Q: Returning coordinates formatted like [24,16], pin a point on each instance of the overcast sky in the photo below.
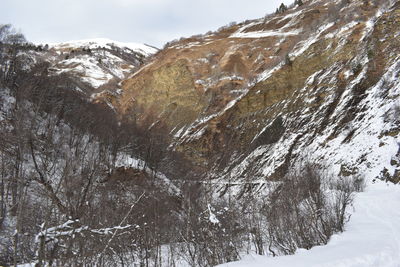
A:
[154,22]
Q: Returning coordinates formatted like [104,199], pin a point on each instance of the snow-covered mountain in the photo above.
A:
[318,81]
[96,62]
[96,43]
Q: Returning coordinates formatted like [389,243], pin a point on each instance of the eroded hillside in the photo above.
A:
[251,98]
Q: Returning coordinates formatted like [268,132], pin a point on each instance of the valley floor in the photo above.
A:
[371,237]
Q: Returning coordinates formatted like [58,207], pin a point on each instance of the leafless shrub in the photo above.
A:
[8,34]
[302,213]
[343,198]
[211,233]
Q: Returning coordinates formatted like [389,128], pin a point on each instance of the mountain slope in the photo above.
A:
[251,99]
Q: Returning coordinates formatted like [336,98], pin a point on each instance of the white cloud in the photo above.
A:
[150,21]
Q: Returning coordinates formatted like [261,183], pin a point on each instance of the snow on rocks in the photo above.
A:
[370,149]
[261,34]
[303,46]
[370,24]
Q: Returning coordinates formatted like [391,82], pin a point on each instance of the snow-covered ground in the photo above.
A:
[371,238]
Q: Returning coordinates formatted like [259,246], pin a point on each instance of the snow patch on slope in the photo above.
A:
[261,34]
[304,45]
[125,161]
[88,69]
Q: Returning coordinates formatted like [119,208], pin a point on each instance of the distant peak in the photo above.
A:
[104,42]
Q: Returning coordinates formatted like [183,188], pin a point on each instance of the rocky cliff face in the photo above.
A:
[319,81]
